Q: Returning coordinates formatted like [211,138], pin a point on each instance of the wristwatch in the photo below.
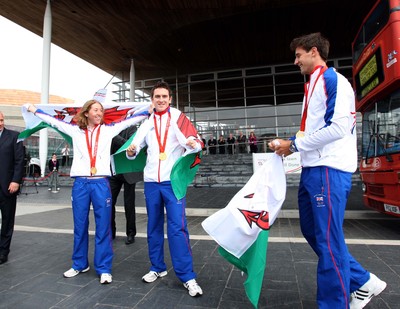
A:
[292,147]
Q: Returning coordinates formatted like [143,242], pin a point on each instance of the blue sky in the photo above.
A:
[21,66]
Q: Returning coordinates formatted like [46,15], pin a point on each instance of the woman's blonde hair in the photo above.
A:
[82,119]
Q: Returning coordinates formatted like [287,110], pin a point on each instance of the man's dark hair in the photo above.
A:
[161,84]
[311,40]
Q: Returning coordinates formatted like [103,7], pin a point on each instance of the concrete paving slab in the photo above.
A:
[42,247]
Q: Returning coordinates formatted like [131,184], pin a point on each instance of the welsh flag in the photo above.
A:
[112,113]
[120,164]
[182,174]
[242,227]
[184,169]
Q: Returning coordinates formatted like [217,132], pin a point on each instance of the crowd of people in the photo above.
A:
[326,143]
[231,145]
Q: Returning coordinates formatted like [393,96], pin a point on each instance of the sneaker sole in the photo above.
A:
[106,281]
[376,292]
[191,294]
[196,295]
[380,289]
[160,275]
[82,271]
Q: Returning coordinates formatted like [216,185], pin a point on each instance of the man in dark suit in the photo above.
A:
[11,172]
[129,181]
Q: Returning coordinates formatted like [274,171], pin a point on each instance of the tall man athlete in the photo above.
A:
[168,133]
[328,150]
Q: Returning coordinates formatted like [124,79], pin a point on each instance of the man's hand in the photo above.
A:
[131,150]
[280,147]
[13,187]
[191,143]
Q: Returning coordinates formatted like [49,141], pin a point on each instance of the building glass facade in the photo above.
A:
[266,100]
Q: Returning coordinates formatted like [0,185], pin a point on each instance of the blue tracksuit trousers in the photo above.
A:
[322,199]
[97,192]
[157,196]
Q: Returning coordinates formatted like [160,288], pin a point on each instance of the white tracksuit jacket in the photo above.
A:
[330,132]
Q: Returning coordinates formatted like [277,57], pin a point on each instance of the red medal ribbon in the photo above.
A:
[158,134]
[307,99]
[89,147]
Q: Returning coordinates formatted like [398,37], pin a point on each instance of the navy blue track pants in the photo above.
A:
[322,200]
[157,196]
[98,193]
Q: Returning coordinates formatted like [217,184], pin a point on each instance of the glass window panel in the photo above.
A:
[381,132]
[203,92]
[258,71]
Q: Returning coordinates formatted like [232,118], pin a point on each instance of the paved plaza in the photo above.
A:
[42,246]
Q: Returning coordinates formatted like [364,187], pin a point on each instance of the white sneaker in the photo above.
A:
[152,276]
[361,297]
[105,278]
[73,272]
[193,288]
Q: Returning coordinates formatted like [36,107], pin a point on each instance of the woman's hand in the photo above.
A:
[30,108]
[151,108]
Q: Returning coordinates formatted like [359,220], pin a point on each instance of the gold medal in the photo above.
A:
[93,170]
[162,156]
[300,134]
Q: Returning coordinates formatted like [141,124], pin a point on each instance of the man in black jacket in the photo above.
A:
[129,181]
[11,171]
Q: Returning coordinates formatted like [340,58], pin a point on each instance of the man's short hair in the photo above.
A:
[161,84]
[311,40]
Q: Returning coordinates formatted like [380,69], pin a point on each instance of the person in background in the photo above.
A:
[231,144]
[221,144]
[65,155]
[204,149]
[212,145]
[128,180]
[253,142]
[327,142]
[91,170]
[53,169]
[27,159]
[11,173]
[168,134]
[241,141]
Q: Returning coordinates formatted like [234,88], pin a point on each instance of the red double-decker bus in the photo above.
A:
[376,77]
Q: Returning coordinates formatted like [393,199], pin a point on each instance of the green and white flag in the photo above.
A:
[184,169]
[68,113]
[242,227]
[120,164]
[182,174]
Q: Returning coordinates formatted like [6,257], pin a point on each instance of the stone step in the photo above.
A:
[218,180]
[214,171]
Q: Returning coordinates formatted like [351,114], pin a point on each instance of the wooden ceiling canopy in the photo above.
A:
[188,36]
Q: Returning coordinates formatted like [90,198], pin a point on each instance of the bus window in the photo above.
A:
[381,130]
[376,21]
